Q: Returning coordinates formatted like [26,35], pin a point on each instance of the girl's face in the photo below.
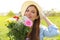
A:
[31,13]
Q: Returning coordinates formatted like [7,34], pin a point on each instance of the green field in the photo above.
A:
[4,30]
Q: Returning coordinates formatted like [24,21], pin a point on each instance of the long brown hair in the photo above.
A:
[34,34]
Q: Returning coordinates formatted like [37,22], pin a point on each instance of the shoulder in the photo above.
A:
[53,26]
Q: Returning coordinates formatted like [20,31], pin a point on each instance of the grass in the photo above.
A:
[54,19]
[4,30]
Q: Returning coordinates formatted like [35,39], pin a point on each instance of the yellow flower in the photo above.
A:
[11,20]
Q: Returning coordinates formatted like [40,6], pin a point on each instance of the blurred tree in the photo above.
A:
[52,12]
[10,13]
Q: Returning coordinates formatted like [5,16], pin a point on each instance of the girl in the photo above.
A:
[38,31]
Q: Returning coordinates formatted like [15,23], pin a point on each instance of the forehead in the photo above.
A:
[31,8]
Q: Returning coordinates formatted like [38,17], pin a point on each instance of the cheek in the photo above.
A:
[34,17]
[24,14]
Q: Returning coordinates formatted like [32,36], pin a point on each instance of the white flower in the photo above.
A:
[11,20]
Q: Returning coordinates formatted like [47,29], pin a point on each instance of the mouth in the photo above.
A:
[29,17]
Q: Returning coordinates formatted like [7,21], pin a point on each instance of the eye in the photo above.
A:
[33,11]
[27,10]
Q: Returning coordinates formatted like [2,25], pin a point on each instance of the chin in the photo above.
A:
[30,19]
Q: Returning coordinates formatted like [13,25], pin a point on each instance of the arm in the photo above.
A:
[46,19]
[52,29]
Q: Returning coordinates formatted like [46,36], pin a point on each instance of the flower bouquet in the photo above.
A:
[19,27]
